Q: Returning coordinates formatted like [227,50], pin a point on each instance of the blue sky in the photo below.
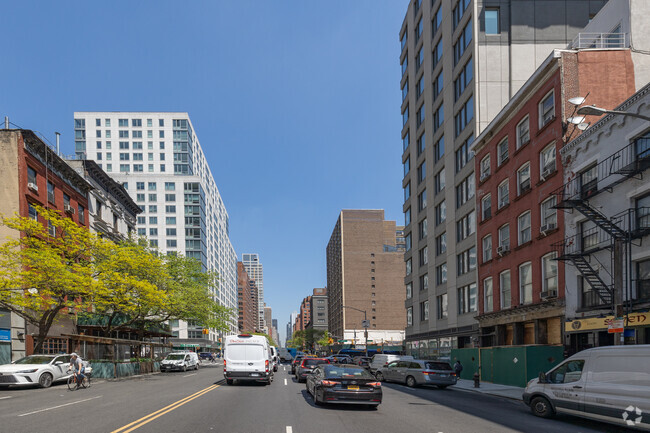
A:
[296,104]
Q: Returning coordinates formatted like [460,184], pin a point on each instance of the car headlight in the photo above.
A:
[34,370]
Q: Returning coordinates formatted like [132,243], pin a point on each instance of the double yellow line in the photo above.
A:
[152,416]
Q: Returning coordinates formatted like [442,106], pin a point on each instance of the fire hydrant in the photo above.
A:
[477,380]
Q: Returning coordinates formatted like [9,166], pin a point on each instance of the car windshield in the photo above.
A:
[35,359]
[175,357]
[438,366]
[335,372]
[312,362]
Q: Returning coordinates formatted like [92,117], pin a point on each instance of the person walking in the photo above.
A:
[458,368]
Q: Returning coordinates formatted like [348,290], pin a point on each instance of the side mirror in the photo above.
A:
[542,377]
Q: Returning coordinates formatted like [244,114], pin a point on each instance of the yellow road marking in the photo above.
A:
[145,419]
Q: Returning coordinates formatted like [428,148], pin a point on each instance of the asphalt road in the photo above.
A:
[202,402]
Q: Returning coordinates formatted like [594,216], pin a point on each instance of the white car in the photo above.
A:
[40,370]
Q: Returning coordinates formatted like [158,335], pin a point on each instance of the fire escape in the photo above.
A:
[627,226]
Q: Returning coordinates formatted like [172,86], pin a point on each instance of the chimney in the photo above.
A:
[6,122]
[58,135]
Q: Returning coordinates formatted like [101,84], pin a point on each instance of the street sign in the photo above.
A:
[616,325]
[365,323]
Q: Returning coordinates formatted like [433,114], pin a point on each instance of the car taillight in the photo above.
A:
[375,384]
[429,372]
[328,383]
[266,365]
[453,374]
[224,365]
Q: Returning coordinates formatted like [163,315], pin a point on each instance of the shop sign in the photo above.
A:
[602,323]
[616,325]
[5,334]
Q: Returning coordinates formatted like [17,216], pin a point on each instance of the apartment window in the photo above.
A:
[488,303]
[170,208]
[422,172]
[424,256]
[523,179]
[436,21]
[137,134]
[438,84]
[139,186]
[149,133]
[99,156]
[548,215]
[437,54]
[439,149]
[403,39]
[409,316]
[405,141]
[487,248]
[422,200]
[419,59]
[485,167]
[589,182]
[109,156]
[405,89]
[51,229]
[486,207]
[549,273]
[153,220]
[642,208]
[124,134]
[31,176]
[32,213]
[504,236]
[162,167]
[409,290]
[547,109]
[466,226]
[441,212]
[420,116]
[441,244]
[405,64]
[503,192]
[523,132]
[424,282]
[440,181]
[422,229]
[170,221]
[98,133]
[142,220]
[136,123]
[438,117]
[109,167]
[153,197]
[137,145]
[504,286]
[408,267]
[421,144]
[109,145]
[153,208]
[464,116]
[418,30]
[424,310]
[463,79]
[441,274]
[407,191]
[492,21]
[172,243]
[407,217]
[161,134]
[407,241]
[502,151]
[465,190]
[170,231]
[405,115]
[525,283]
[139,197]
[137,157]
[464,154]
[467,296]
[124,156]
[463,41]
[50,192]
[170,197]
[442,304]
[459,11]
[523,224]
[153,231]
[142,232]
[124,145]
[407,166]
[419,88]
[161,122]
[466,261]
[547,161]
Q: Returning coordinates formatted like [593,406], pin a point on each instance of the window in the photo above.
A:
[407,165]
[153,197]
[170,186]
[153,220]
[124,134]
[137,157]
[568,372]
[463,79]
[485,167]
[459,11]
[418,28]
[170,232]
[548,215]
[438,117]
[504,286]
[422,229]
[407,241]
[137,145]
[407,217]
[405,141]
[51,228]
[549,273]
[421,144]
[170,220]
[464,39]
[441,244]
[170,197]
[441,300]
[439,149]
[487,248]
[420,116]
[438,84]
[405,89]
[424,282]
[170,209]
[422,200]
[31,176]
[503,192]
[142,232]
[441,274]
[441,212]
[486,207]
[464,154]
[642,209]
[405,64]
[547,109]
[137,134]
[124,156]
[139,186]
[136,123]
[588,235]
[161,134]
[419,59]
[409,316]
[466,226]
[405,115]
[172,243]
[142,220]
[422,172]
[161,122]
[437,54]
[153,208]
[523,132]
[523,224]
[32,213]
[467,296]
[488,304]
[124,145]
[424,256]
[407,191]
[588,182]
[98,133]
[465,190]
[408,267]
[547,161]
[525,283]
[109,167]
[466,261]
[436,21]
[409,290]
[403,39]
[523,179]
[50,192]
[424,310]
[139,197]
[504,236]
[153,231]
[419,88]
[464,116]
[502,151]
[440,181]
[492,22]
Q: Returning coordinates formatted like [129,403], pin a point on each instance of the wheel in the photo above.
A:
[197,367]
[72,385]
[379,376]
[442,386]
[541,407]
[45,381]
[229,381]
[86,382]
[184,368]
[317,401]
[410,382]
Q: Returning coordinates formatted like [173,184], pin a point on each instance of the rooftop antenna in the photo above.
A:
[58,135]
[6,122]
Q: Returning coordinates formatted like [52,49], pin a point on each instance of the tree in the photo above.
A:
[45,270]
[268,337]
[324,340]
[297,340]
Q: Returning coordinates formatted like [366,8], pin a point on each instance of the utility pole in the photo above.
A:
[365,325]
[619,337]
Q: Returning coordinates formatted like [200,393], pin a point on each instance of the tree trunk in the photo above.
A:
[44,326]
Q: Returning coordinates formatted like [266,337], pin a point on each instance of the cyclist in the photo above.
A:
[77,367]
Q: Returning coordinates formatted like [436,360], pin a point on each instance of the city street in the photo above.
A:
[200,401]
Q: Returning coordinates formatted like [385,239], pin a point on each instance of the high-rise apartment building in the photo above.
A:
[318,313]
[247,298]
[157,157]
[365,272]
[268,319]
[462,61]
[255,271]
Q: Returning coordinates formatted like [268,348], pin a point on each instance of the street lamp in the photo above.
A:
[592,110]
[365,324]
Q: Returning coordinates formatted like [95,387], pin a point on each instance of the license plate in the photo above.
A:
[444,375]
[353,387]
[254,374]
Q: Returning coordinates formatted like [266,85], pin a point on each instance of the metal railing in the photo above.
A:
[600,40]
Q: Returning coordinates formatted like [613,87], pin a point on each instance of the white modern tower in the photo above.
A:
[159,160]
[255,272]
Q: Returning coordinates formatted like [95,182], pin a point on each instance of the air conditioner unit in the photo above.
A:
[32,185]
[525,186]
[547,172]
[548,294]
[67,208]
[547,228]
[503,249]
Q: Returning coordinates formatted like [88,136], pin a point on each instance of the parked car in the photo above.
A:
[247,357]
[180,361]
[608,383]
[307,365]
[418,372]
[296,360]
[343,384]
[363,361]
[42,370]
[381,360]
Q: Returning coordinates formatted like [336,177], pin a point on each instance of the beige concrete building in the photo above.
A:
[365,271]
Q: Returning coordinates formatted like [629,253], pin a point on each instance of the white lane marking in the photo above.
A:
[188,375]
[285,381]
[289,429]
[61,405]
[2,398]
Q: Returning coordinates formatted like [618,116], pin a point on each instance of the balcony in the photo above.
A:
[600,40]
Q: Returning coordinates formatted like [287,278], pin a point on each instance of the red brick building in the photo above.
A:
[521,284]
[304,317]
[248,319]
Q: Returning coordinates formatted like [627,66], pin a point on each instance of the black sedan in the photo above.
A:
[346,383]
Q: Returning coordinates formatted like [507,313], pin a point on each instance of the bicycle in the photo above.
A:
[73,383]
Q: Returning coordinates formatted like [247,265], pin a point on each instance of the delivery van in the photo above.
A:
[610,383]
[247,357]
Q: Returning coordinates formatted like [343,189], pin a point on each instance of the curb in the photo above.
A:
[488,393]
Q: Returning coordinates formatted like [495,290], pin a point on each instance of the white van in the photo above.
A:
[275,358]
[610,383]
[381,360]
[247,357]
[181,361]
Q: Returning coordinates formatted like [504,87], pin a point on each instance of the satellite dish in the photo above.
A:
[583,126]
[578,100]
[576,120]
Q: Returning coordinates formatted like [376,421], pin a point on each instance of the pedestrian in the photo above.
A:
[458,368]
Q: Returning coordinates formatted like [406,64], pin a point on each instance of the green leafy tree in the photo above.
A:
[268,337]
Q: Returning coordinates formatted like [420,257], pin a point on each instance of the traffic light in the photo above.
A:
[205,331]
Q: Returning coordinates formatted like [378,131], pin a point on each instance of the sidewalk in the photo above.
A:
[506,391]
